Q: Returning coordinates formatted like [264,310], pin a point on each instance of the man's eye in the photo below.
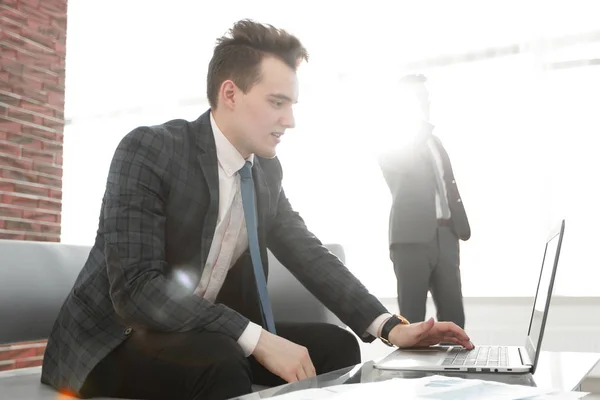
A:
[277,103]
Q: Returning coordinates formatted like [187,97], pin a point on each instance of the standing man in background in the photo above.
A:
[428,217]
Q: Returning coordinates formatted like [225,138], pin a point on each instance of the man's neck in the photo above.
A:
[221,120]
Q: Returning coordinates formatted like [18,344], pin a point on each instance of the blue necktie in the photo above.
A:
[247,185]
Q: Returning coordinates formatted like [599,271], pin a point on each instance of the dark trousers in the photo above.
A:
[173,366]
[432,266]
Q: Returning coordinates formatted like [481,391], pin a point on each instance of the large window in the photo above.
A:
[521,128]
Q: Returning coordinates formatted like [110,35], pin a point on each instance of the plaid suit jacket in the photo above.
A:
[158,218]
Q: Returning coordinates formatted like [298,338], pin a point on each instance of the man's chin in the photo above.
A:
[266,153]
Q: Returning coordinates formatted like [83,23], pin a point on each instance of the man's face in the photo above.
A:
[262,115]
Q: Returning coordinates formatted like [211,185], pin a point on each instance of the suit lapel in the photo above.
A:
[448,173]
[207,156]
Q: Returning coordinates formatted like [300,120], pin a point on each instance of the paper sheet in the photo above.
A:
[433,388]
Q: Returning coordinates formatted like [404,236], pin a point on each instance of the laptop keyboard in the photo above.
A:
[483,356]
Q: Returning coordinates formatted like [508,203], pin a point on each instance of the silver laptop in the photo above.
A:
[502,359]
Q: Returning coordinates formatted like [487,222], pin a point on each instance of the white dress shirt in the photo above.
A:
[231,238]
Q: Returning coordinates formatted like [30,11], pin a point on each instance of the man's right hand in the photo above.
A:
[285,359]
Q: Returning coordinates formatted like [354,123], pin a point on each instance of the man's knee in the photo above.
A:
[225,374]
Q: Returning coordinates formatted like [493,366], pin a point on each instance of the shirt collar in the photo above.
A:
[229,157]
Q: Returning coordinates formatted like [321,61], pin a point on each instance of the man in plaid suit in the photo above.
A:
[167,304]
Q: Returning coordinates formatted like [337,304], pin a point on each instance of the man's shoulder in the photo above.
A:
[271,167]
[165,131]
[165,137]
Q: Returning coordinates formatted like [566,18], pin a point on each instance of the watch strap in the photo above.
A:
[387,327]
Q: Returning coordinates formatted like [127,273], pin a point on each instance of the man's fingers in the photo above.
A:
[293,377]
[300,374]
[451,339]
[450,328]
[310,369]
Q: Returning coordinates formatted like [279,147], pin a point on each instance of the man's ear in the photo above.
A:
[228,94]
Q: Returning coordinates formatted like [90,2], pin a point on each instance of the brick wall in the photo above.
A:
[32,81]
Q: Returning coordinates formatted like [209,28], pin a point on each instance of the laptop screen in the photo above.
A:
[544,290]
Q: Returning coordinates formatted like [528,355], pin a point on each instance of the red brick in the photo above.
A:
[16,352]
[10,100]
[56,98]
[20,175]
[10,3]
[11,236]
[24,140]
[29,362]
[50,229]
[38,155]
[38,33]
[60,47]
[47,168]
[52,11]
[32,82]
[15,162]
[29,94]
[49,205]
[10,10]
[46,30]
[31,343]
[42,237]
[37,132]
[54,183]
[11,23]
[40,350]
[20,201]
[6,365]
[32,12]
[6,210]
[37,60]
[5,186]
[41,215]
[19,81]
[33,190]
[9,126]
[35,107]
[8,148]
[22,226]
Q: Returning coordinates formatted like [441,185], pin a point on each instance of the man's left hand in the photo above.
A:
[428,333]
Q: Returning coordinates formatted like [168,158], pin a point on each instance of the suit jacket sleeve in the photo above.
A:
[142,291]
[320,271]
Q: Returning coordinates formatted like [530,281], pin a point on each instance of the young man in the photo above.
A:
[428,216]
[168,304]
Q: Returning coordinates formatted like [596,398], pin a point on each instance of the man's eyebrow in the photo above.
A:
[282,97]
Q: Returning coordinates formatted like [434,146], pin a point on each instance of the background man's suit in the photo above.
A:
[424,247]
[158,218]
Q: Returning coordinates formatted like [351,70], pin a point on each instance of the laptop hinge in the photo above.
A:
[524,360]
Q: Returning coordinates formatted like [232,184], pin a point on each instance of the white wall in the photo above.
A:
[522,140]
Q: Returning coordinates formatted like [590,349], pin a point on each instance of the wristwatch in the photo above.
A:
[387,327]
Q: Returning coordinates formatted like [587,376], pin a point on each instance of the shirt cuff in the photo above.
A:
[249,338]
[375,328]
